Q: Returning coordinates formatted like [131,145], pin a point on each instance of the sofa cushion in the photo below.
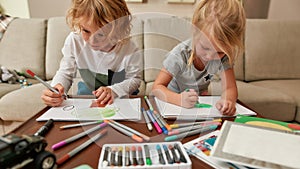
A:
[23,46]
[9,126]
[267,101]
[288,87]
[6,88]
[137,37]
[20,105]
[161,35]
[137,32]
[57,32]
[272,49]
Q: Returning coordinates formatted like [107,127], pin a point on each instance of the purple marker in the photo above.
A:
[78,136]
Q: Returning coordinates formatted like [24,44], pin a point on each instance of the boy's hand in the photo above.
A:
[189,98]
[104,95]
[226,107]
[52,99]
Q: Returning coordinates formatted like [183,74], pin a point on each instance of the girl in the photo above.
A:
[98,46]
[217,40]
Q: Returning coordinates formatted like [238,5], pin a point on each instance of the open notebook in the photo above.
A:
[86,110]
[168,110]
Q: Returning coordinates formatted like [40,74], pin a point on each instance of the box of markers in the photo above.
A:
[144,155]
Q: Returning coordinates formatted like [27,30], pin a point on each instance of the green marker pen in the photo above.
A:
[200,105]
[147,153]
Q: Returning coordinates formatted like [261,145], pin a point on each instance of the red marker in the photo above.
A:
[43,82]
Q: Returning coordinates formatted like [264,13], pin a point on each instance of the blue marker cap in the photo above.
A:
[164,129]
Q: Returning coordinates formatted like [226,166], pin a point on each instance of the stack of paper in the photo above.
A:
[83,110]
[257,147]
[168,110]
[199,148]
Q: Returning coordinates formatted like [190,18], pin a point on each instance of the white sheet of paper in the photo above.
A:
[128,109]
[170,110]
[266,145]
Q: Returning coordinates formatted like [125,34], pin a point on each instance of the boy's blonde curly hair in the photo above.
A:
[223,21]
[101,12]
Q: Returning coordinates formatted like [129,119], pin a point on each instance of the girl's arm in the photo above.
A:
[160,90]
[229,93]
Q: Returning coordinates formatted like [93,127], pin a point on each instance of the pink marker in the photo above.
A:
[158,129]
[78,136]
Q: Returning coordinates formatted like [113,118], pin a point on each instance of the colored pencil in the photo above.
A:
[147,120]
[124,131]
[78,136]
[193,132]
[146,138]
[80,124]
[80,148]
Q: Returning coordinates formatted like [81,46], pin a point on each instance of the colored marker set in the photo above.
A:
[144,155]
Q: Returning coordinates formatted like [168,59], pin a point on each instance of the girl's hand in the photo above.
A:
[52,99]
[189,98]
[104,95]
[226,107]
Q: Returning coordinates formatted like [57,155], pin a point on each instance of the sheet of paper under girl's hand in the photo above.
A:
[205,108]
[83,110]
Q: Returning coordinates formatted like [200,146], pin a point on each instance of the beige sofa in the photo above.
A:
[268,75]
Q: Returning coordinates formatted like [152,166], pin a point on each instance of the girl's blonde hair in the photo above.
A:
[224,22]
[101,12]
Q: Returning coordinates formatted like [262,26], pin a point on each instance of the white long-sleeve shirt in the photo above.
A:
[94,65]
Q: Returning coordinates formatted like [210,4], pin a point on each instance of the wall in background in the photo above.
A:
[284,9]
[35,8]
[277,9]
[17,8]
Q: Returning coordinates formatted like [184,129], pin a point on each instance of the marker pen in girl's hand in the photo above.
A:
[45,83]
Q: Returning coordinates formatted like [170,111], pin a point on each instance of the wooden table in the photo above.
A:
[91,154]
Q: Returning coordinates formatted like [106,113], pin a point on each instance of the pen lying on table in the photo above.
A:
[78,136]
[81,147]
[80,124]
[192,132]
[124,131]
